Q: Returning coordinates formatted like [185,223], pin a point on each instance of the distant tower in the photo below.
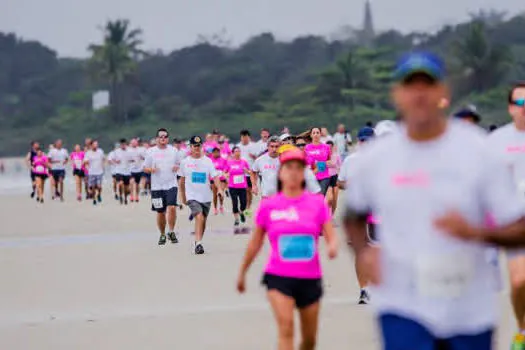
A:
[368,33]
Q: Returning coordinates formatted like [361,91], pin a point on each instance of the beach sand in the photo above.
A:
[74,276]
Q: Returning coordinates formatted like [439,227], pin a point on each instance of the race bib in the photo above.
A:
[445,276]
[239,179]
[157,203]
[78,163]
[198,178]
[297,247]
[40,169]
[321,166]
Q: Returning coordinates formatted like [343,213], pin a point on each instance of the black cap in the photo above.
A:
[468,112]
[196,140]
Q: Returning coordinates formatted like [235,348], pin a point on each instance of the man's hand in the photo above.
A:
[456,225]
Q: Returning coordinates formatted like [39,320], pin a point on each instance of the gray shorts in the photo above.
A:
[198,207]
[94,180]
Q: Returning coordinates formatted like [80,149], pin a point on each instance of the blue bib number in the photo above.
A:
[321,166]
[198,178]
[296,247]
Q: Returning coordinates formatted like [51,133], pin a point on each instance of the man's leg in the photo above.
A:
[161,223]
[517,281]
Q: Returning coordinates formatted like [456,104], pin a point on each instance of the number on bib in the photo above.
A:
[296,247]
[198,178]
[157,203]
[443,276]
[238,179]
[321,166]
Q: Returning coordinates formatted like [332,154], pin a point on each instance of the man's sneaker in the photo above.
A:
[215,211]
[248,213]
[364,298]
[94,202]
[99,198]
[162,239]
[191,217]
[243,218]
[518,343]
[222,210]
[33,194]
[173,237]
[116,197]
[199,249]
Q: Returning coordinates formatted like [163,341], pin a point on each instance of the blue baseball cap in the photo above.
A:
[468,112]
[420,63]
[365,133]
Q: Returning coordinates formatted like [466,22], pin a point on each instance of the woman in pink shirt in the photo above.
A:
[220,164]
[293,220]
[226,152]
[237,168]
[41,167]
[318,157]
[77,159]
[334,165]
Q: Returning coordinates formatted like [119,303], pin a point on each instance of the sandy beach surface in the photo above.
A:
[74,276]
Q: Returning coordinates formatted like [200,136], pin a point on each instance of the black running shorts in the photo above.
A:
[304,291]
[162,199]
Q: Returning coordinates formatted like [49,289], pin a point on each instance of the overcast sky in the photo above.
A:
[68,26]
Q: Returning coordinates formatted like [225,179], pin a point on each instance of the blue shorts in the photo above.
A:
[399,333]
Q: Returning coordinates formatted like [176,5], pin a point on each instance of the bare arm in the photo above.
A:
[183,190]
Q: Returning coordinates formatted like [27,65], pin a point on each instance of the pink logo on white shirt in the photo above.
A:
[418,179]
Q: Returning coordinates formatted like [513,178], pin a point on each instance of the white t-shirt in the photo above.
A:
[57,158]
[197,173]
[138,154]
[95,161]
[341,142]
[111,165]
[246,150]
[164,159]
[123,167]
[347,167]
[509,142]
[261,146]
[408,185]
[266,167]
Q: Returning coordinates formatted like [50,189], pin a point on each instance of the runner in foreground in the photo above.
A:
[293,221]
[162,162]
[196,170]
[437,176]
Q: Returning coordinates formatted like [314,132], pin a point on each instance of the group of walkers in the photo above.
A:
[428,201]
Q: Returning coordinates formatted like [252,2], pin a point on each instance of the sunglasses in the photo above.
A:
[301,144]
[163,136]
[519,102]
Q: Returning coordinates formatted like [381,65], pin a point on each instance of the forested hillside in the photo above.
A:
[263,83]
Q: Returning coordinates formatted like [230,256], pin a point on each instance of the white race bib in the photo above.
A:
[443,276]
[78,163]
[157,203]
[39,169]
[238,179]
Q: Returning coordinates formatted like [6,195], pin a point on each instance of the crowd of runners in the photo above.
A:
[428,201]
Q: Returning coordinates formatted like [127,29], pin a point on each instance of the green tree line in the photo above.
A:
[262,83]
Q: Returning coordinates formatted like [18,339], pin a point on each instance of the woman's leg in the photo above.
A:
[78,184]
[309,317]
[283,307]
[335,197]
[234,195]
[243,197]
[214,190]
[39,187]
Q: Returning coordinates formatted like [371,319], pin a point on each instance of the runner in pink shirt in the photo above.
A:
[220,165]
[41,167]
[226,151]
[77,160]
[318,157]
[293,220]
[209,145]
[237,168]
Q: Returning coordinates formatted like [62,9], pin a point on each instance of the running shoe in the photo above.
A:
[41,200]
[248,213]
[121,199]
[215,211]
[116,197]
[199,249]
[222,210]
[173,237]
[364,298]
[94,202]
[33,194]
[126,201]
[191,217]
[162,239]
[79,198]
[99,198]
[243,218]
[519,342]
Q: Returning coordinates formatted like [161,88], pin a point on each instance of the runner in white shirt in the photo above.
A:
[94,162]
[342,141]
[58,157]
[248,152]
[265,167]
[434,179]
[509,142]
[262,144]
[112,168]
[122,159]
[162,162]
[196,170]
[138,154]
